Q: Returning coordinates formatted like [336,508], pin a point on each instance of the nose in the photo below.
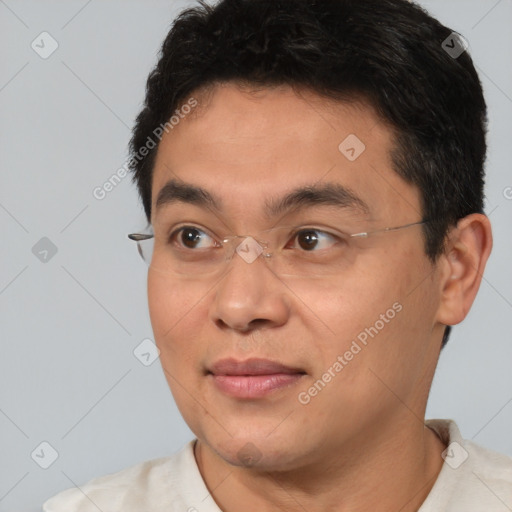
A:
[249,295]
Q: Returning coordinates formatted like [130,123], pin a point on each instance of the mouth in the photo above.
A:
[253,378]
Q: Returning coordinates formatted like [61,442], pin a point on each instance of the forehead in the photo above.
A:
[245,146]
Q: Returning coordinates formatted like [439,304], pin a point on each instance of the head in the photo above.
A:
[264,97]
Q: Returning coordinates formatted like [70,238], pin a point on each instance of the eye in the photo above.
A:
[311,239]
[192,238]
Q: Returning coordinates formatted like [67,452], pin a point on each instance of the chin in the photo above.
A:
[260,453]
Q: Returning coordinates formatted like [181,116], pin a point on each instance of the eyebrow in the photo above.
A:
[330,194]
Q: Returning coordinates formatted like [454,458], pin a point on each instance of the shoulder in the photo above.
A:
[166,483]
[490,467]
[473,478]
[460,451]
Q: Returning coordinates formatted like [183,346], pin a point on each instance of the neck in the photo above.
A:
[390,468]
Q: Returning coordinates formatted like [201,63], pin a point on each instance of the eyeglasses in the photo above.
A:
[301,251]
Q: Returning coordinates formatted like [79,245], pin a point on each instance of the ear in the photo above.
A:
[466,252]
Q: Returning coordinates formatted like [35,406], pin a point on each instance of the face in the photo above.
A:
[352,340]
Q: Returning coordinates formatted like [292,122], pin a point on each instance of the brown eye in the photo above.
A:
[192,238]
[311,240]
[307,240]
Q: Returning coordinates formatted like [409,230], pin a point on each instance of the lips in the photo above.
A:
[254,378]
[233,367]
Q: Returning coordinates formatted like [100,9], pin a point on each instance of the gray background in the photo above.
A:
[69,325]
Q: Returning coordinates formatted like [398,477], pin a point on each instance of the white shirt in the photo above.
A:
[472,479]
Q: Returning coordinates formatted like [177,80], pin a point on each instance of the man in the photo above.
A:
[315,203]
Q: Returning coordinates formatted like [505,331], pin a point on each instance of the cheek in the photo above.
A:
[355,301]
[164,308]
[177,314]
[370,316]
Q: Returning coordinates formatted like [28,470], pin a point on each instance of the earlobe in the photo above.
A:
[467,251]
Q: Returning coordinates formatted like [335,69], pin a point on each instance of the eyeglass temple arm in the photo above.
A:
[367,233]
[139,237]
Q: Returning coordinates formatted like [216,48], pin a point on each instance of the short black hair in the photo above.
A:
[390,53]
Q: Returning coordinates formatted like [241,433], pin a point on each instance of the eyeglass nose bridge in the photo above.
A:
[247,247]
